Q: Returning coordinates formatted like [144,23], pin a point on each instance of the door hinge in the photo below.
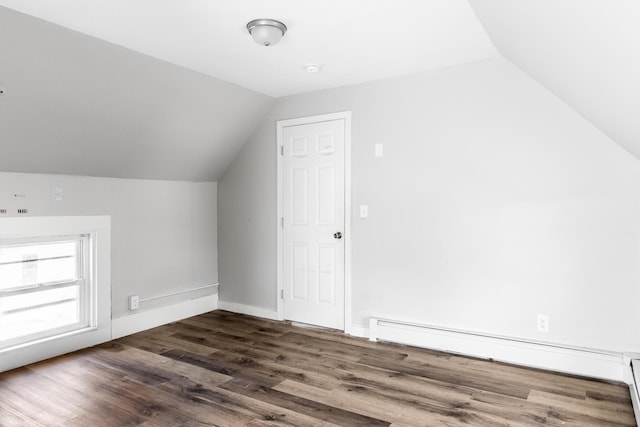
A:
[282,222]
[282,150]
[281,293]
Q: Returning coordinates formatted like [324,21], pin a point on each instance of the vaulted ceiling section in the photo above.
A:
[81,106]
[586,52]
[166,90]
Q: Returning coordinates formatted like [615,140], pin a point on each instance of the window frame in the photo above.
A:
[82,280]
[99,227]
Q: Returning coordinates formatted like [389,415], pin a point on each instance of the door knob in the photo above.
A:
[337,235]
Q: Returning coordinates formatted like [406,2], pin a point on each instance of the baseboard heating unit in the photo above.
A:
[577,361]
[633,388]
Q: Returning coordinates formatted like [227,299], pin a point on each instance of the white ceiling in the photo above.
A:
[586,52]
[354,41]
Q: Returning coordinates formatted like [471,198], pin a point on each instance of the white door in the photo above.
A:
[314,218]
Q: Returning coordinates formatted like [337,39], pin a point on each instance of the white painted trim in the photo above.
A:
[635,401]
[578,361]
[358,331]
[144,320]
[280,215]
[249,310]
[280,125]
[347,223]
[53,347]
[634,366]
[627,371]
[99,331]
[15,227]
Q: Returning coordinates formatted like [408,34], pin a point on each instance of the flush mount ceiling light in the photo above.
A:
[266,32]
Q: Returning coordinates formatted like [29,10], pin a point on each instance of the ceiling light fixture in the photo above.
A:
[266,32]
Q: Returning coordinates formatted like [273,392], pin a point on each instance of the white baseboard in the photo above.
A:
[248,309]
[56,346]
[577,361]
[144,320]
[358,331]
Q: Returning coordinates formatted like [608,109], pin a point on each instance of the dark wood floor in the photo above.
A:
[224,369]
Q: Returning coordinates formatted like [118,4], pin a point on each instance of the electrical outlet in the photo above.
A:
[543,323]
[57,194]
[134,302]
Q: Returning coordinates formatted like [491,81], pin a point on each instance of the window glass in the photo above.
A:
[36,312]
[43,291]
[28,265]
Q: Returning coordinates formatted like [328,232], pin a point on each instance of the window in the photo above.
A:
[55,286]
[45,288]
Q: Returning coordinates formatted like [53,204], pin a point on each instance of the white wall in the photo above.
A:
[494,202]
[164,233]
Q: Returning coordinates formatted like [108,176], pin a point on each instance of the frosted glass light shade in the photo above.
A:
[266,32]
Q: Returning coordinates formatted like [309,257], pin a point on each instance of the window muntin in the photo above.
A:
[43,289]
[32,264]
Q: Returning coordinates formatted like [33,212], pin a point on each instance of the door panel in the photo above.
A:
[299,192]
[326,274]
[300,267]
[313,202]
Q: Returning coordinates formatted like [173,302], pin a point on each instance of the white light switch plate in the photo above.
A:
[364,211]
[379,150]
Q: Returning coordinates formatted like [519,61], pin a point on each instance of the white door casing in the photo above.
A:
[312,194]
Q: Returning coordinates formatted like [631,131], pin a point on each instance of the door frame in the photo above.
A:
[280,125]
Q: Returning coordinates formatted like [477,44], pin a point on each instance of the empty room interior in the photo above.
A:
[316,213]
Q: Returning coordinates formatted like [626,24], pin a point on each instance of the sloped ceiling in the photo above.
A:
[171,90]
[353,41]
[187,87]
[587,52]
[78,105]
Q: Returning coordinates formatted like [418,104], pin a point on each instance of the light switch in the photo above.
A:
[364,211]
[379,150]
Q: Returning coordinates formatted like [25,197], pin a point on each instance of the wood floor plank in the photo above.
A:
[163,366]
[225,369]
[564,385]
[168,342]
[257,409]
[591,409]
[25,399]
[288,363]
[495,385]
[515,412]
[76,379]
[364,401]
[295,402]
[11,416]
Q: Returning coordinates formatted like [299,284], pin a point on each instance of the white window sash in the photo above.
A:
[83,295]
